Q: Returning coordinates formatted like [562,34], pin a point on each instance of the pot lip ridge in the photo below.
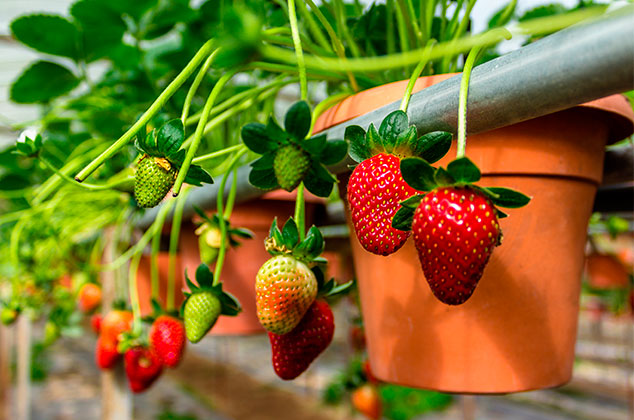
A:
[615,108]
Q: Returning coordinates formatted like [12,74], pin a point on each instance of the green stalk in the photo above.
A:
[416,36]
[300,212]
[154,274]
[389,16]
[303,83]
[415,75]
[91,187]
[223,227]
[174,235]
[324,105]
[343,28]
[313,27]
[216,154]
[202,53]
[134,293]
[462,102]
[195,84]
[231,200]
[198,135]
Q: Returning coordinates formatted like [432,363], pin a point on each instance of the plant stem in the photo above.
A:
[216,154]
[324,105]
[203,52]
[223,227]
[415,75]
[174,235]
[232,195]
[462,102]
[154,274]
[198,135]
[313,27]
[300,213]
[303,84]
[195,84]
[91,187]
[133,291]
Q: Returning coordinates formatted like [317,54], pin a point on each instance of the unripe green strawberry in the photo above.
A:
[153,179]
[290,165]
[201,313]
[284,288]
[8,316]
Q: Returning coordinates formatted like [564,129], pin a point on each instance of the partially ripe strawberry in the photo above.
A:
[455,232]
[284,288]
[292,353]
[106,354]
[167,338]
[115,323]
[367,401]
[375,189]
[89,297]
[142,367]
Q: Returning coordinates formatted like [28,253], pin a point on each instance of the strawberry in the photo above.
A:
[142,367]
[89,297]
[284,288]
[8,315]
[106,353]
[375,188]
[95,323]
[369,375]
[367,401]
[291,164]
[455,232]
[153,179]
[167,338]
[115,323]
[201,313]
[293,352]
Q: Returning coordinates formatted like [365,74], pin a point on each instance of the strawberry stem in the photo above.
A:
[300,212]
[220,210]
[415,75]
[174,234]
[232,195]
[200,128]
[218,153]
[195,84]
[462,102]
[134,292]
[299,53]
[162,99]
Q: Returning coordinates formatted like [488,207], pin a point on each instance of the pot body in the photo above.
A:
[243,262]
[144,281]
[517,332]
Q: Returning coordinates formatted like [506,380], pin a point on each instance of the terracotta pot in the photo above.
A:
[242,263]
[605,272]
[144,281]
[517,332]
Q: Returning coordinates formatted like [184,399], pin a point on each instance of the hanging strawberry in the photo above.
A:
[455,225]
[162,158]
[142,367]
[204,303]
[288,158]
[167,335]
[376,185]
[210,236]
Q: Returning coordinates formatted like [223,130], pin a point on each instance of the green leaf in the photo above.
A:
[418,174]
[391,127]
[412,202]
[275,132]
[41,82]
[443,178]
[318,180]
[506,197]
[405,141]
[314,242]
[503,16]
[197,176]
[190,284]
[332,289]
[314,145]
[204,277]
[50,34]
[334,152]
[265,162]
[149,145]
[297,120]
[501,214]
[403,219]
[373,140]
[463,170]
[243,233]
[135,9]
[275,233]
[170,137]
[102,27]
[230,305]
[433,146]
[359,150]
[290,234]
[256,138]
[263,179]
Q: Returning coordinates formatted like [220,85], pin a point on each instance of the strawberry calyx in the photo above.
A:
[460,172]
[272,142]
[205,279]
[213,222]
[287,242]
[396,137]
[157,311]
[164,146]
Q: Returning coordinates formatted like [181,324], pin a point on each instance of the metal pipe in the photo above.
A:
[584,62]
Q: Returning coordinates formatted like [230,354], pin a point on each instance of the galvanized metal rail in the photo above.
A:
[584,62]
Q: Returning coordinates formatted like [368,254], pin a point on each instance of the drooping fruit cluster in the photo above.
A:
[204,303]
[89,297]
[210,236]
[376,185]
[159,165]
[455,225]
[112,326]
[288,158]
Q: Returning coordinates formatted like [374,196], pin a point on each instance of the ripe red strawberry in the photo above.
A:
[167,338]
[455,231]
[285,288]
[292,353]
[106,354]
[95,323]
[89,297]
[142,367]
[375,189]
